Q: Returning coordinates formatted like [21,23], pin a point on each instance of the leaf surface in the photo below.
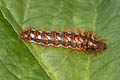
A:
[21,60]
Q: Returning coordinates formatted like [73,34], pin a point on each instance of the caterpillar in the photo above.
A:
[82,41]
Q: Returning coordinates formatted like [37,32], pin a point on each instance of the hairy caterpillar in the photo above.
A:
[85,41]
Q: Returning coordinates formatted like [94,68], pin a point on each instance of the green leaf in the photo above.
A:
[27,61]
[16,61]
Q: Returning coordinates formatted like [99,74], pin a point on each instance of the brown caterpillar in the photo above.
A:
[85,41]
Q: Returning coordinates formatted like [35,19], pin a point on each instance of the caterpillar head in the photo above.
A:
[100,45]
